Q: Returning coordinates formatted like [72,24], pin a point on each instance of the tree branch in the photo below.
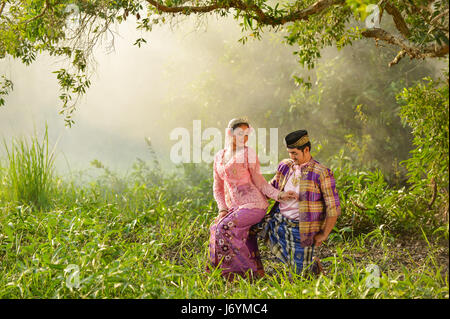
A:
[399,56]
[261,16]
[440,15]
[413,52]
[188,9]
[383,35]
[264,18]
[400,23]
[435,51]
[416,10]
[2,7]
[315,8]
[44,9]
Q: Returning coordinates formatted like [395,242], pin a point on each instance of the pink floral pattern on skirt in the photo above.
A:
[232,248]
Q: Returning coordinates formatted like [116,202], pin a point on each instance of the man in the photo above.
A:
[292,229]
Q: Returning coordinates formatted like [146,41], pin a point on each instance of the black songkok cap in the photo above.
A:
[296,139]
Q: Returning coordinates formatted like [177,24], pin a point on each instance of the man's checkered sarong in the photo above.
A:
[282,236]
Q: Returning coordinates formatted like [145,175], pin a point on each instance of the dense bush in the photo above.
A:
[426,110]
[368,201]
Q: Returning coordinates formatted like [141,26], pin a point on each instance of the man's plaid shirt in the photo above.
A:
[318,196]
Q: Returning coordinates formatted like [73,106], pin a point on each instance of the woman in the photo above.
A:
[240,192]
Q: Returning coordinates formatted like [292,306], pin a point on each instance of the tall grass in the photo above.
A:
[149,237]
[29,175]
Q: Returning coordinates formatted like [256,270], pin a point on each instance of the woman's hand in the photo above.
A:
[289,195]
[222,214]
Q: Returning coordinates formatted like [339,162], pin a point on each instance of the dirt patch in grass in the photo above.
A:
[392,256]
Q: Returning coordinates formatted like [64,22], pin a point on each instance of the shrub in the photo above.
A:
[425,108]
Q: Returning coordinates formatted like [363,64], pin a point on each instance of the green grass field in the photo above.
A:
[146,235]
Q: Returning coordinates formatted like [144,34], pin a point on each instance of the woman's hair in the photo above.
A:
[232,125]
[237,125]
[236,122]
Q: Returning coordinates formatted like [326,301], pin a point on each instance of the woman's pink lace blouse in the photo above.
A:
[239,183]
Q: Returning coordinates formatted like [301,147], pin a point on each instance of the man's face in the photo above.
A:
[297,156]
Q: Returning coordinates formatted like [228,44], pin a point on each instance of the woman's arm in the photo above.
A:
[219,190]
[257,178]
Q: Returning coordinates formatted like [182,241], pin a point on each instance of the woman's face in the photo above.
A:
[240,135]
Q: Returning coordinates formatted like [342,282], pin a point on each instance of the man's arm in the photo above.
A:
[330,222]
[332,204]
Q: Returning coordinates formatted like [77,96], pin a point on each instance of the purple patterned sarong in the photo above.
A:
[231,248]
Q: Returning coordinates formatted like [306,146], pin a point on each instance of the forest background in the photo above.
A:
[72,226]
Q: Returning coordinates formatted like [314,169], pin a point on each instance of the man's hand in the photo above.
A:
[330,222]
[319,238]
